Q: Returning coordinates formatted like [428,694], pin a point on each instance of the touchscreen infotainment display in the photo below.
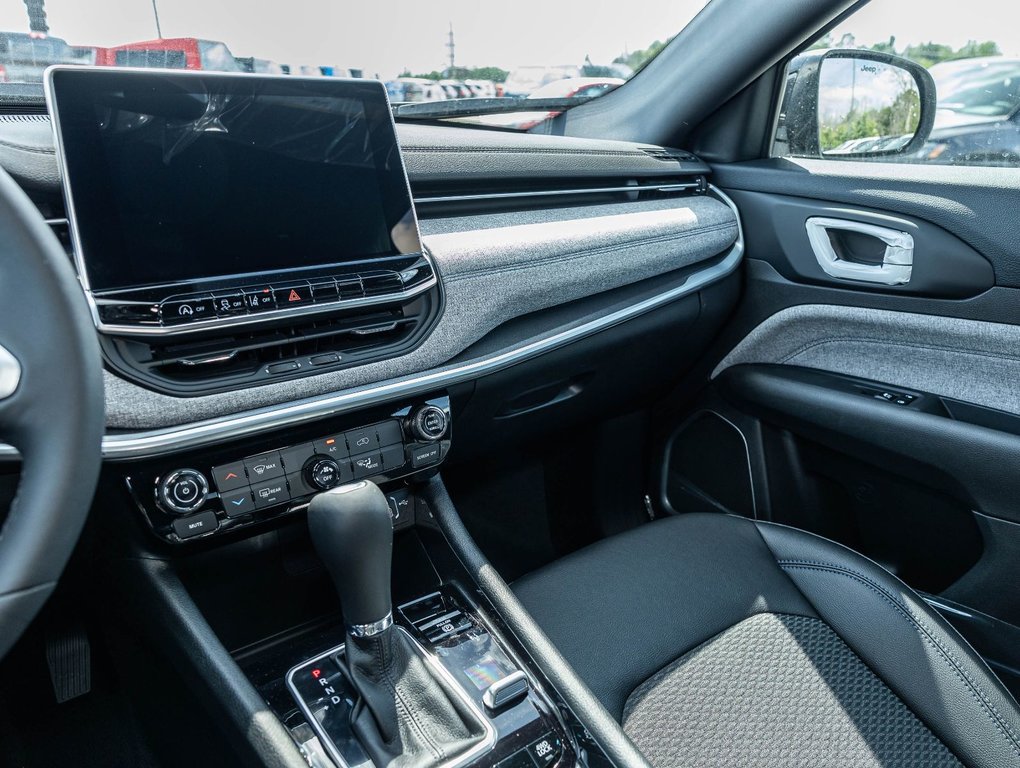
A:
[175,177]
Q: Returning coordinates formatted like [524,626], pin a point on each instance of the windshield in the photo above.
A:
[423,52]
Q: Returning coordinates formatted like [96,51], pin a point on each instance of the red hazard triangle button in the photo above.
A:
[292,295]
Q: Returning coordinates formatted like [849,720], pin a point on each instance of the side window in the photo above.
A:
[895,85]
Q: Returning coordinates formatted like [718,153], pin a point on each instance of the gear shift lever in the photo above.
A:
[406,717]
[353,535]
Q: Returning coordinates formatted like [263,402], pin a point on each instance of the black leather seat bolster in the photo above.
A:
[626,607]
[622,609]
[906,643]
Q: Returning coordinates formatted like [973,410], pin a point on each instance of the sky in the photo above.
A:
[384,37]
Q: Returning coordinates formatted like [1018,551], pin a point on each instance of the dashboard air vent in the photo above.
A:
[24,118]
[220,361]
[669,155]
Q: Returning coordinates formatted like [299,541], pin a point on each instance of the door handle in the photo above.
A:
[897,262]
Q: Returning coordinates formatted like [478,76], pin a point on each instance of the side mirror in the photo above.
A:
[855,104]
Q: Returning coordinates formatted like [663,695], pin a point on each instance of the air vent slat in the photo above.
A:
[314,345]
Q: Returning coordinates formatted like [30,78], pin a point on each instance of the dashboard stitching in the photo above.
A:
[27,148]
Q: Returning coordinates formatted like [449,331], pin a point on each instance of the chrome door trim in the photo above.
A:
[897,262]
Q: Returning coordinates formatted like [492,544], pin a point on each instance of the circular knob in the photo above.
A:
[429,423]
[183,491]
[322,473]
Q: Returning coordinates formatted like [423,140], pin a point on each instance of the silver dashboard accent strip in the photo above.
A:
[10,373]
[168,440]
[672,187]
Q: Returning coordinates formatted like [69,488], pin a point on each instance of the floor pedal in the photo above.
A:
[69,657]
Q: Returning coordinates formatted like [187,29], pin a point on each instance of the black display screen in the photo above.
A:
[177,177]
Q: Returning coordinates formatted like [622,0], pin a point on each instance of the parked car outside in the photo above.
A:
[482,89]
[978,117]
[524,80]
[24,56]
[335,71]
[259,66]
[171,53]
[571,87]
[455,89]
[405,89]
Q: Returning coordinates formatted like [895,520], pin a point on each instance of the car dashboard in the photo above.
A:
[550,277]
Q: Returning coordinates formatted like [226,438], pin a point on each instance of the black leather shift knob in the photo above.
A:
[353,535]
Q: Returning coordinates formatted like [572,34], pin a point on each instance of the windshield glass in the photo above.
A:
[440,51]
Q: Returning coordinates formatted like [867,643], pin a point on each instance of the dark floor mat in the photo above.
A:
[96,730]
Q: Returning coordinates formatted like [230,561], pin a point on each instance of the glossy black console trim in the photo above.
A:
[144,479]
[599,727]
[223,323]
[166,615]
[458,761]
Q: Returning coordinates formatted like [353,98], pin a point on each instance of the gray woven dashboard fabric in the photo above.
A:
[494,269]
[776,690]
[965,359]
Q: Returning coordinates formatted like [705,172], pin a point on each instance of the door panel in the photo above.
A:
[967,360]
[970,203]
[942,265]
[929,488]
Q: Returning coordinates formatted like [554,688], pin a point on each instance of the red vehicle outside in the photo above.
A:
[170,53]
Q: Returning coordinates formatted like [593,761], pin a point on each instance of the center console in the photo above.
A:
[222,490]
[430,687]
[521,726]
[232,232]
[213,500]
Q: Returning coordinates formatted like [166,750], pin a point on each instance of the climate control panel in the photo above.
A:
[221,491]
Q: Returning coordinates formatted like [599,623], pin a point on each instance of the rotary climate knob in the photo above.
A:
[322,473]
[429,423]
[183,491]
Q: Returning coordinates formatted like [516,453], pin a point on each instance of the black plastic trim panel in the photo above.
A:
[922,441]
[954,197]
[944,266]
